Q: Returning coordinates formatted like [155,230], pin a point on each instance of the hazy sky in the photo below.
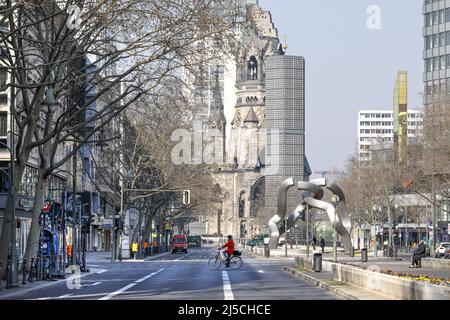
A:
[348,66]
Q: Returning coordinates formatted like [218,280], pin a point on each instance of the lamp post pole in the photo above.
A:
[335,200]
[285,235]
[307,231]
[74,208]
[13,273]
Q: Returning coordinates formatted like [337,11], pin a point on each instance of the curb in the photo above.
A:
[25,290]
[321,284]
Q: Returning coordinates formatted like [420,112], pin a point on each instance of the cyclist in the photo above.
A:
[230,250]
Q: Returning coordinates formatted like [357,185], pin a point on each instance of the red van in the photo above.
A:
[179,243]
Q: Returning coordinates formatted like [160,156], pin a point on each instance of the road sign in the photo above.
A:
[186,197]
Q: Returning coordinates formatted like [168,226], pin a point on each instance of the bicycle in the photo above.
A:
[216,261]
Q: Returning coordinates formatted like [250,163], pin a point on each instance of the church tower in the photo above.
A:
[216,119]
[259,41]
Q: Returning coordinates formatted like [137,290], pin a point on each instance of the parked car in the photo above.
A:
[443,250]
[179,243]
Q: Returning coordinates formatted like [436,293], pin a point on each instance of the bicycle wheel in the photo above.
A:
[214,263]
[235,263]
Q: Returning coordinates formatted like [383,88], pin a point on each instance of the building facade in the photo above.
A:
[436,54]
[376,130]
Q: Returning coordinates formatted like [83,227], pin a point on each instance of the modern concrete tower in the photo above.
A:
[436,54]
[285,123]
[401,116]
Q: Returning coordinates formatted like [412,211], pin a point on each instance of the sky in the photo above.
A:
[349,66]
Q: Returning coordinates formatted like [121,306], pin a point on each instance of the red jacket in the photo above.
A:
[230,246]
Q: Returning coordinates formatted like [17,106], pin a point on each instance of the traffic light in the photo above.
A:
[186,197]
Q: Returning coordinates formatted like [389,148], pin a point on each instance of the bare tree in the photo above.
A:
[131,43]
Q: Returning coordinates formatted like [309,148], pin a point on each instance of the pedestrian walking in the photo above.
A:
[69,254]
[134,249]
[314,240]
[322,244]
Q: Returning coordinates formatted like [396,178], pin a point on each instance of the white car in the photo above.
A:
[443,250]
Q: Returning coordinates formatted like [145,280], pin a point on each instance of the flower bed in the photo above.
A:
[408,276]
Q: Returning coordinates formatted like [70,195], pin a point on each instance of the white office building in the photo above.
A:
[375,130]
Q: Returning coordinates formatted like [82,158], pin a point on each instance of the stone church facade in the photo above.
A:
[240,182]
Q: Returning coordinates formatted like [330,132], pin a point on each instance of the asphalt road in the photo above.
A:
[185,277]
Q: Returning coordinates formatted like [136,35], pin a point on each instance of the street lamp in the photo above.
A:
[335,201]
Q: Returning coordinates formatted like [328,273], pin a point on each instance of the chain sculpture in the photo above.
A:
[312,195]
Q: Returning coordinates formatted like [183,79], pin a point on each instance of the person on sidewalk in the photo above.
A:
[322,244]
[418,254]
[69,254]
[314,241]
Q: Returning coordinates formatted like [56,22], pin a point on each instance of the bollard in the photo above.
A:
[24,271]
[50,267]
[266,251]
[8,272]
[60,275]
[317,262]
[364,254]
[44,267]
[30,277]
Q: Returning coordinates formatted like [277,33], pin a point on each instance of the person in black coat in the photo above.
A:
[418,254]
[322,244]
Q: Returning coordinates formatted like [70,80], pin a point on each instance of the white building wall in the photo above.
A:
[375,129]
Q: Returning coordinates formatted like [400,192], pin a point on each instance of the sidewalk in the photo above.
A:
[92,258]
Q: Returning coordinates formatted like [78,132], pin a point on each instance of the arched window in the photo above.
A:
[252,73]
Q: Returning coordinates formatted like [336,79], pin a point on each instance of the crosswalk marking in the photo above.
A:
[228,293]
[131,285]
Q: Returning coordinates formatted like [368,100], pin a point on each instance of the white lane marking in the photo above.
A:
[131,285]
[91,284]
[260,271]
[227,292]
[101,271]
[183,257]
[65,296]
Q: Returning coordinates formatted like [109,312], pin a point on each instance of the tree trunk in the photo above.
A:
[390,225]
[5,239]
[33,235]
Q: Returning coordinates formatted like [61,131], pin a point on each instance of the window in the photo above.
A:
[436,63]
[3,124]
[443,62]
[435,15]
[429,65]
[435,40]
[442,39]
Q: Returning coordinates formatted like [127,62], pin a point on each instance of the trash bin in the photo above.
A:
[352,252]
[364,255]
[266,251]
[317,262]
